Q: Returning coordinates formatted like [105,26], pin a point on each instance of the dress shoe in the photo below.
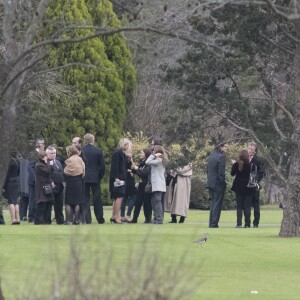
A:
[181,220]
[133,221]
[116,221]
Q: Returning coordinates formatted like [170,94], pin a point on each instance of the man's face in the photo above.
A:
[75,141]
[41,146]
[251,150]
[51,154]
[224,148]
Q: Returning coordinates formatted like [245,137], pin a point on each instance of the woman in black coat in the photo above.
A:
[118,173]
[11,188]
[142,199]
[44,201]
[241,170]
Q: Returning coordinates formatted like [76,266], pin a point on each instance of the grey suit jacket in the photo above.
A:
[158,179]
[216,170]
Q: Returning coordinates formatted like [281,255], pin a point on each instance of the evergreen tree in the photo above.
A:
[99,83]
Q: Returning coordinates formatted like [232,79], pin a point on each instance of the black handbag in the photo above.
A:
[252,183]
[47,189]
[148,187]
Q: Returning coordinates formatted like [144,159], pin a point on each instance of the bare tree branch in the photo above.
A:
[290,116]
[34,26]
[288,15]
[293,38]
[276,127]
[101,32]
[28,67]
[60,68]
[276,44]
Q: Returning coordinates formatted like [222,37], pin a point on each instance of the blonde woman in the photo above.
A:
[156,160]
[118,173]
[74,173]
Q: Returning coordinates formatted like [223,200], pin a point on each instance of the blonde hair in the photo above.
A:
[89,138]
[127,150]
[72,150]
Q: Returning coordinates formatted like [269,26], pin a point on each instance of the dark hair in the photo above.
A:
[14,153]
[161,150]
[39,141]
[147,152]
[243,159]
[156,140]
[220,145]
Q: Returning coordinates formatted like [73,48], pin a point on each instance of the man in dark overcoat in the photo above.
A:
[94,172]
[216,183]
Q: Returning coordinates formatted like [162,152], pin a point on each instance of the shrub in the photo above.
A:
[200,195]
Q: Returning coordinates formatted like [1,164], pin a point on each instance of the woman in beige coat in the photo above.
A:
[74,173]
[178,193]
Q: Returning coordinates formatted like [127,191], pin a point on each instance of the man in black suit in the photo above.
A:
[58,178]
[260,173]
[216,183]
[94,172]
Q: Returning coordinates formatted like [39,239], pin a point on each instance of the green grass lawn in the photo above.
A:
[230,265]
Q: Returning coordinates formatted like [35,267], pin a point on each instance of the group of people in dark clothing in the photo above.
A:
[53,181]
[248,171]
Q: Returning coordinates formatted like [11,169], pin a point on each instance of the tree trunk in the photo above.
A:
[8,120]
[7,133]
[291,210]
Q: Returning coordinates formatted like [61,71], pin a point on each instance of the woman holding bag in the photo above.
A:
[118,173]
[142,198]
[241,170]
[43,189]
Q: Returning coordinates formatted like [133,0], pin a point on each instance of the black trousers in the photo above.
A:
[256,206]
[43,213]
[98,206]
[243,205]
[216,203]
[32,204]
[58,207]
[24,201]
[143,198]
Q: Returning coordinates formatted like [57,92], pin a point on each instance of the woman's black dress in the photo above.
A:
[74,190]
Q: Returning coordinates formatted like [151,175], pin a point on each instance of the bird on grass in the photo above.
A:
[201,240]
